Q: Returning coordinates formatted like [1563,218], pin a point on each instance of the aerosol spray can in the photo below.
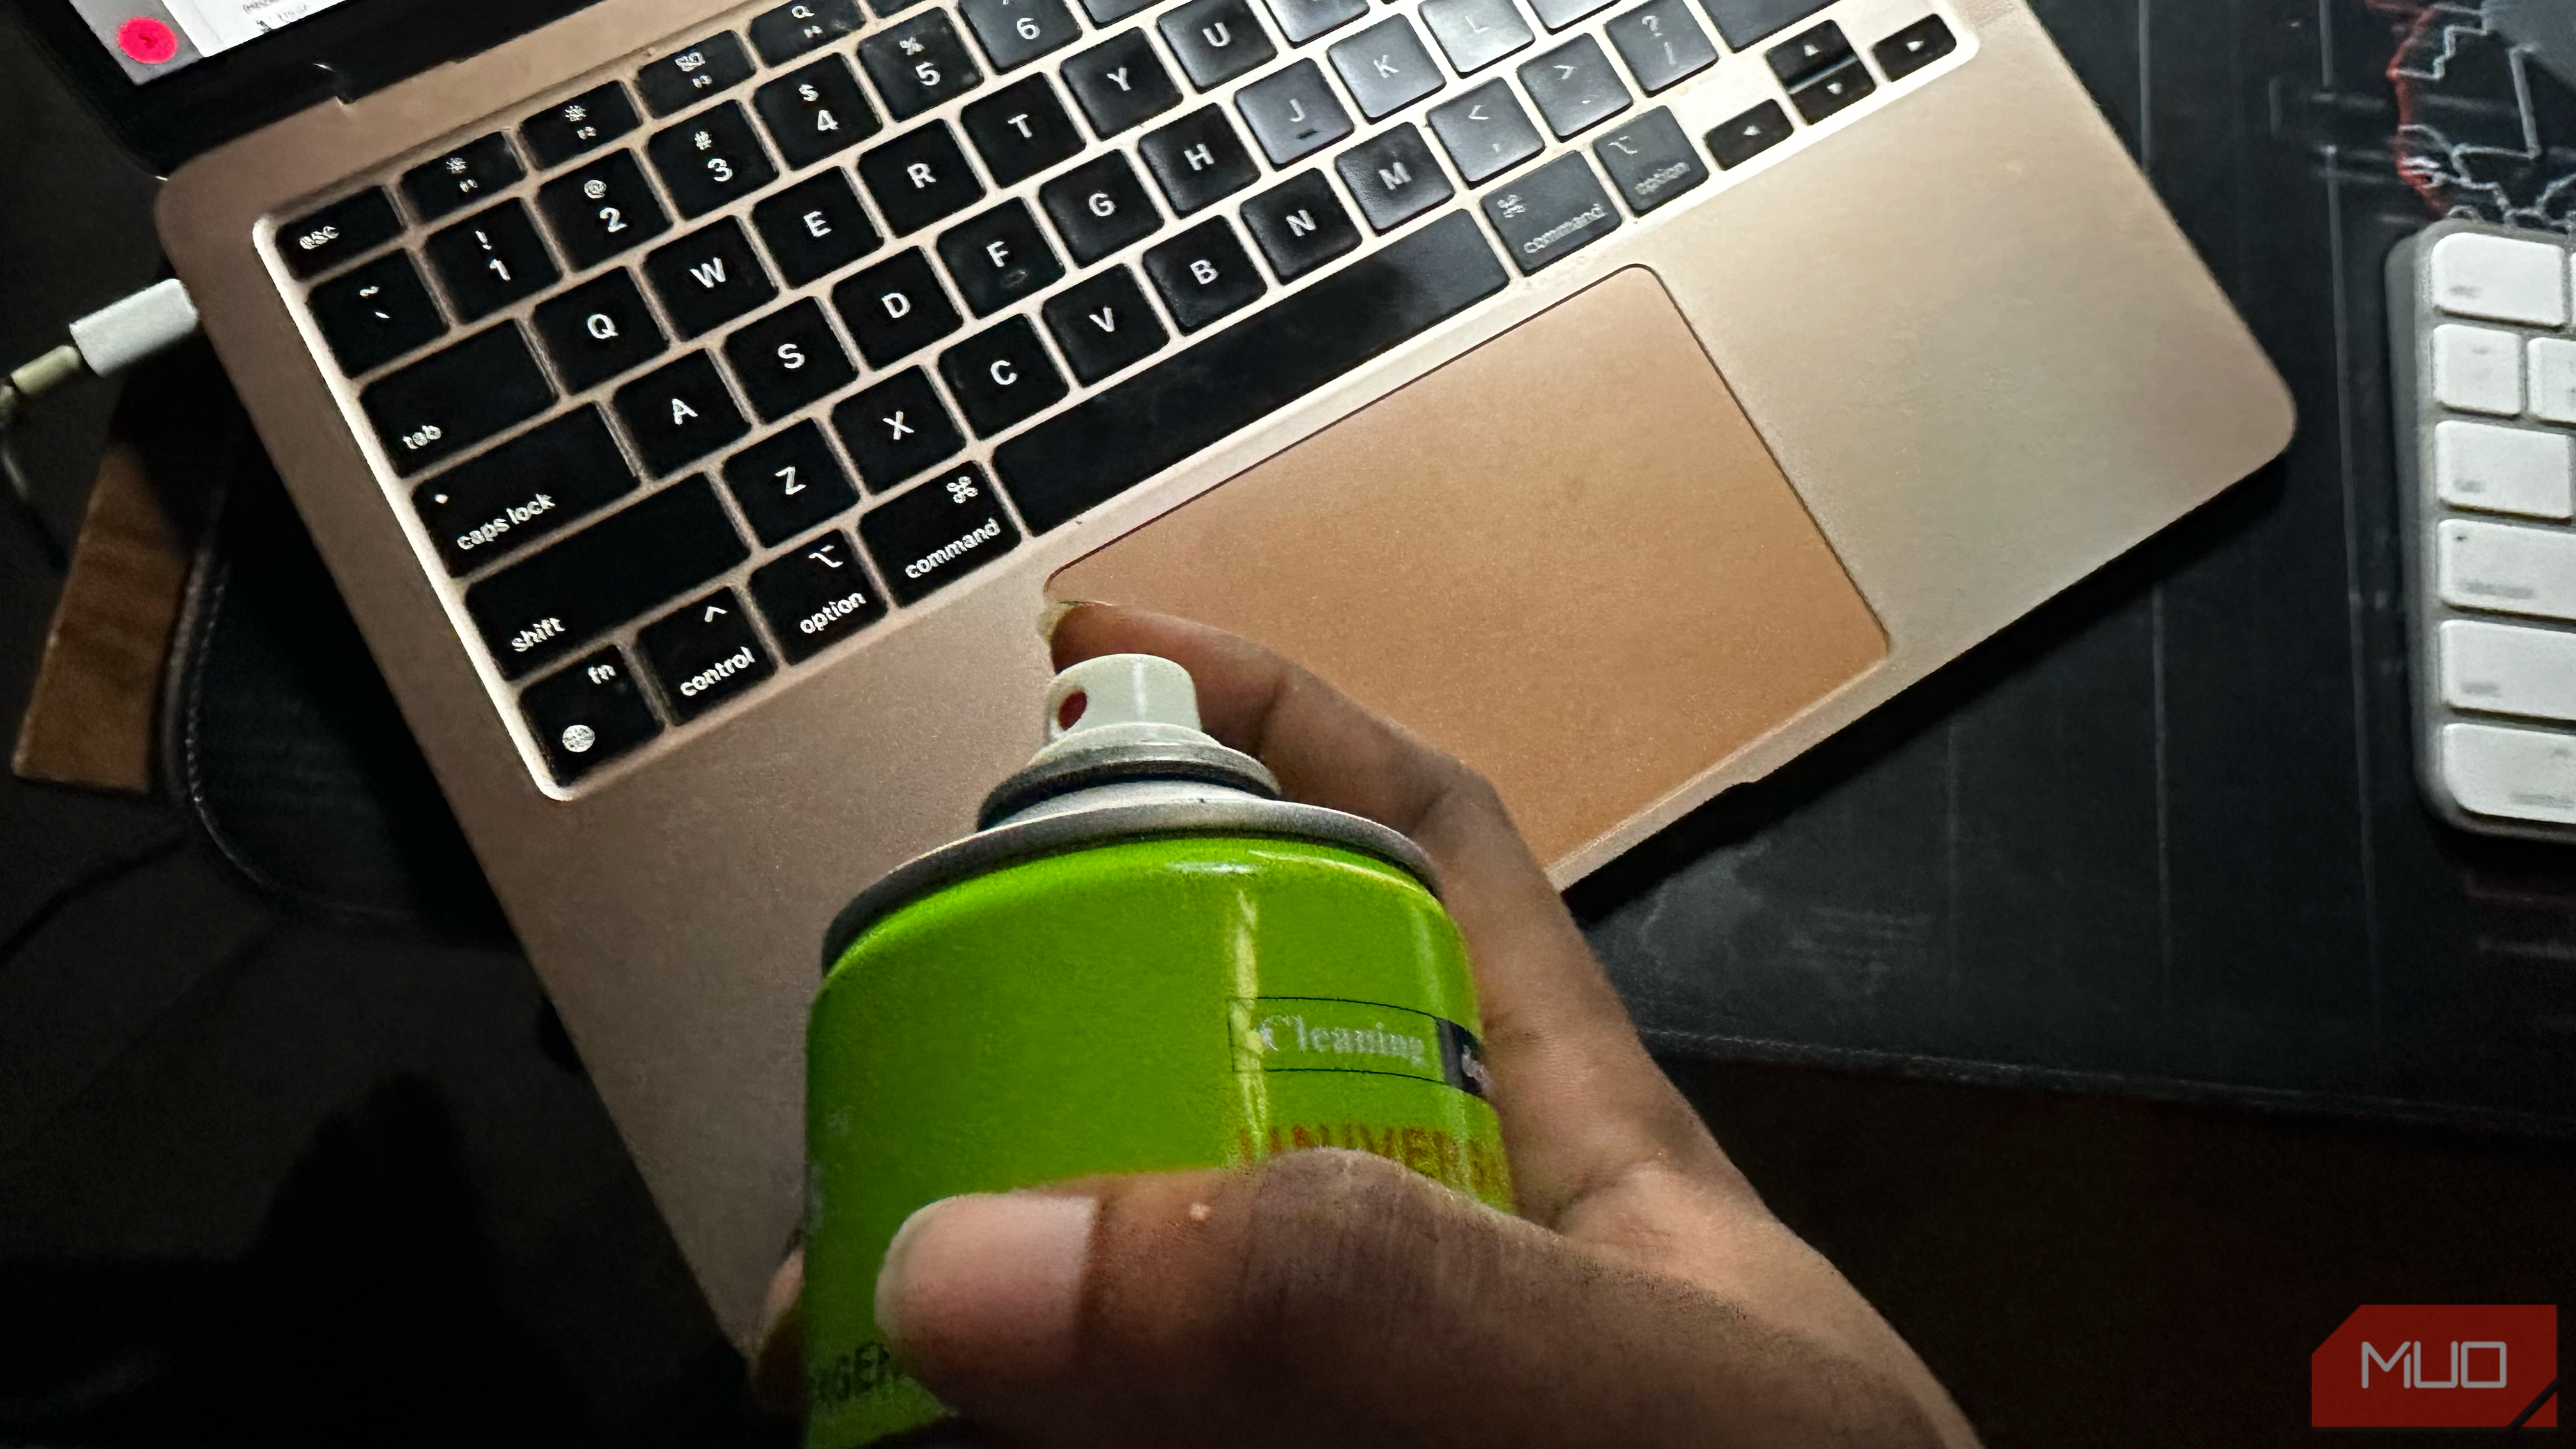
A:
[1143,960]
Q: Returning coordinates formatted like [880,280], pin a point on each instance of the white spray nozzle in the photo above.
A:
[1122,689]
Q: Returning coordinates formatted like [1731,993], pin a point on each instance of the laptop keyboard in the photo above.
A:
[722,360]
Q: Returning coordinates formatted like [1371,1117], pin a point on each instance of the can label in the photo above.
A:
[1328,1034]
[1142,1006]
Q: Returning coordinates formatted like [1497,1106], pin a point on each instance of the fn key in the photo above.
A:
[588,715]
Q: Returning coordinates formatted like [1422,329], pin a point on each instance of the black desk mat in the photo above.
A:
[2164,837]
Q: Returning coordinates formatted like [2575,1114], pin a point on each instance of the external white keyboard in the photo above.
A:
[2485,372]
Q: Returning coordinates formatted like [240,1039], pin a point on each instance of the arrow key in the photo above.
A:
[1749,135]
[705,653]
[1914,47]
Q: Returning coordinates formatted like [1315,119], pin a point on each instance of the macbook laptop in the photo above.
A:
[700,404]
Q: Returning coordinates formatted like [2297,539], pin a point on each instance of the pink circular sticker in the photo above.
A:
[147,41]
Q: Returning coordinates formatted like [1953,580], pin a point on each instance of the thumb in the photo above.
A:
[1333,1298]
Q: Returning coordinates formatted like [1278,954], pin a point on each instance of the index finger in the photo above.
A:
[1582,1104]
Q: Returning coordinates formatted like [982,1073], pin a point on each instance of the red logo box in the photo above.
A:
[2438,1366]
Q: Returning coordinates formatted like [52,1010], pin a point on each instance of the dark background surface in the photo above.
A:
[263,1180]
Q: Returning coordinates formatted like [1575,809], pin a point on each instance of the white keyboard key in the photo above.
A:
[2505,470]
[2510,570]
[2553,379]
[2477,369]
[2516,774]
[2477,275]
[2507,670]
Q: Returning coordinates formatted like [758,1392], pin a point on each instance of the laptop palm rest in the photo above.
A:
[1565,557]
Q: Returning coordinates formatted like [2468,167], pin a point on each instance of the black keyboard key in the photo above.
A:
[1015,32]
[816,596]
[1110,12]
[492,260]
[802,28]
[1747,23]
[1485,132]
[1575,87]
[896,308]
[1204,275]
[1104,445]
[1386,67]
[919,63]
[1808,54]
[1834,90]
[340,232]
[704,653]
[1650,161]
[581,125]
[1476,33]
[1914,47]
[588,715]
[677,82]
[1119,83]
[521,491]
[599,330]
[1551,213]
[1393,178]
[789,483]
[711,160]
[816,112]
[708,278]
[1303,20]
[602,209]
[920,178]
[376,314]
[543,607]
[462,177]
[449,401]
[1300,225]
[1103,325]
[1197,160]
[815,228]
[938,533]
[897,429]
[1558,14]
[1749,135]
[1293,114]
[1020,130]
[1098,207]
[788,359]
[999,258]
[1662,44]
[679,414]
[1001,376]
[1215,40]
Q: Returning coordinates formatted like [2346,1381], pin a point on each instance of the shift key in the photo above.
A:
[449,401]
[544,607]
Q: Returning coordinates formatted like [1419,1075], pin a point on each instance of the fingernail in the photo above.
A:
[1053,615]
[991,1279]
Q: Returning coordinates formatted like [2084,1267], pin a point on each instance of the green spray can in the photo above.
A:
[1143,960]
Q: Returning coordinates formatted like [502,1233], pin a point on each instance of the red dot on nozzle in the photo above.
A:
[147,41]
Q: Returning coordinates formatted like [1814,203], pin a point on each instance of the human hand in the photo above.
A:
[1645,1296]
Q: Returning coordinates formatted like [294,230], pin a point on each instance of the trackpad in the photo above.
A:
[1565,557]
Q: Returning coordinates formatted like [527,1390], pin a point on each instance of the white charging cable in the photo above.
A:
[103,344]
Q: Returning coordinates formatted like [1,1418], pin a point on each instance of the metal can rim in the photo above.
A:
[1007,845]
